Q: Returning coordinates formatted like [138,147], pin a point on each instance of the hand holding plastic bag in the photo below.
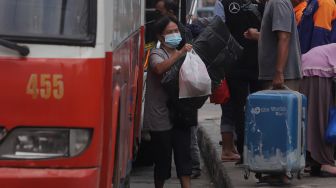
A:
[194,80]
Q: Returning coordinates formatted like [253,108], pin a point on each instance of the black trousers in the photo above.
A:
[164,143]
[234,110]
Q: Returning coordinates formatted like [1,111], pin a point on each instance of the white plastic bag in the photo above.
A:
[194,80]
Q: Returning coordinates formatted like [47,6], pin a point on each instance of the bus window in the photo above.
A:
[43,20]
[126,19]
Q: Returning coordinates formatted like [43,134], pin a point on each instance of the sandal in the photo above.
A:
[232,158]
[326,174]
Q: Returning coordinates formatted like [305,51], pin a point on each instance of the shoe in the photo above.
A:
[195,175]
[326,174]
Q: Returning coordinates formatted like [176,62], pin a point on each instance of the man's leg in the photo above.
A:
[229,152]
[255,85]
[185,181]
[293,84]
[158,183]
[239,91]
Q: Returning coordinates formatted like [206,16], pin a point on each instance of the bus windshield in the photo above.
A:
[46,20]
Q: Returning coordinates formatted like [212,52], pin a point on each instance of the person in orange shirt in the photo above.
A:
[315,27]
[298,9]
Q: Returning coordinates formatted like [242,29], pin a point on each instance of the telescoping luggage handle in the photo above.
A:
[301,112]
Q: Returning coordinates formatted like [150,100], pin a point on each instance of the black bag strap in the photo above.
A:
[225,40]
[254,9]
[246,6]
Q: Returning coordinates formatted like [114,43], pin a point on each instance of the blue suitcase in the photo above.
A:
[275,133]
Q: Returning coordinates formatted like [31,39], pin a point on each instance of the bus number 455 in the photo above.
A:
[45,86]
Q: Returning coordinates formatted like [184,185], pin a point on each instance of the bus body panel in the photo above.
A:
[122,71]
[76,87]
[79,107]
[51,178]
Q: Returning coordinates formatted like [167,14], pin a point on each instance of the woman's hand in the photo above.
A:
[165,65]
[186,48]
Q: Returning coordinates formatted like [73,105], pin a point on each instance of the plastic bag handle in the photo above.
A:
[193,51]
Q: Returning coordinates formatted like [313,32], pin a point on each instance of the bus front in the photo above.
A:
[52,62]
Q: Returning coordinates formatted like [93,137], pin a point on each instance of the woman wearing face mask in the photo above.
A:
[165,137]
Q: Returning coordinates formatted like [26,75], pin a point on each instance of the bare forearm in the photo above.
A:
[165,65]
[281,61]
[282,53]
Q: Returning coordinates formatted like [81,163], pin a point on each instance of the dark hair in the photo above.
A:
[161,24]
[170,5]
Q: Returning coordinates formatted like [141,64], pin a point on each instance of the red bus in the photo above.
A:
[70,79]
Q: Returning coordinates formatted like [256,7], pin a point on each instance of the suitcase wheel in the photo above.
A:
[299,175]
[274,180]
[290,175]
[258,176]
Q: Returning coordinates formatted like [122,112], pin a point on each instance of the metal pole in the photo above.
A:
[192,10]
[180,10]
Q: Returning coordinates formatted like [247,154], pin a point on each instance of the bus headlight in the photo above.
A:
[42,143]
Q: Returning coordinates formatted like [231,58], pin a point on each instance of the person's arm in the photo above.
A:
[164,66]
[205,21]
[323,18]
[282,57]
[252,34]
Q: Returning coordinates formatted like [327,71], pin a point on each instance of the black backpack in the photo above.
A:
[236,7]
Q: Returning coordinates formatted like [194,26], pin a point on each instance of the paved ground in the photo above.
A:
[223,175]
[227,174]
[142,177]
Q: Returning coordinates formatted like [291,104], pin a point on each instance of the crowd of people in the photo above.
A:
[286,43]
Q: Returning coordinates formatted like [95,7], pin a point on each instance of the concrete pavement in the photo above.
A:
[227,174]
[142,177]
[223,175]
